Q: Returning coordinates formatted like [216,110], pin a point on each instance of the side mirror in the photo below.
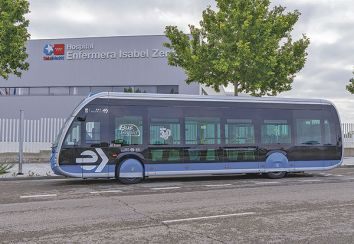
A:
[81,119]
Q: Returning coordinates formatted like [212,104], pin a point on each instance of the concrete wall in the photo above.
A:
[42,157]
[349,152]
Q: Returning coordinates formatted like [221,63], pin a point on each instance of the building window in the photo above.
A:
[39,91]
[73,91]
[145,89]
[83,91]
[59,91]
[23,91]
[167,89]
[7,91]
[97,89]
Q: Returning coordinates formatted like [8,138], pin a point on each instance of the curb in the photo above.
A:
[347,166]
[19,178]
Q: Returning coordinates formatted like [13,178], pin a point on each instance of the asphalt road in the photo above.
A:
[303,208]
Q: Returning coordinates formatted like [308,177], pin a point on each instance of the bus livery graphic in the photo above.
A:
[92,159]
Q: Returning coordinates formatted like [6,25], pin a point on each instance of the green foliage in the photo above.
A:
[128,90]
[5,167]
[13,37]
[243,43]
[350,87]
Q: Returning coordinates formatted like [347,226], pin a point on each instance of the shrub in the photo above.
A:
[5,167]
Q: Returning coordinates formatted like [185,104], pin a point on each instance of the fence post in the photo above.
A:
[21,138]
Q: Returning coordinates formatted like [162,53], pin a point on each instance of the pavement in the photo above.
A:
[43,170]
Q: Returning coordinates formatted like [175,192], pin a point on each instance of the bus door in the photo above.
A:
[240,150]
[276,139]
[203,143]
[127,131]
[165,150]
[92,155]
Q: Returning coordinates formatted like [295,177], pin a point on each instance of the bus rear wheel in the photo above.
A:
[130,171]
[276,175]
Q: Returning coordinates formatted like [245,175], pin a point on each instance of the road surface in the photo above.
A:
[303,208]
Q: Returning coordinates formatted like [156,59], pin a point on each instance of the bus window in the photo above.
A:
[129,130]
[239,131]
[93,132]
[308,131]
[329,135]
[73,137]
[275,131]
[202,130]
[164,131]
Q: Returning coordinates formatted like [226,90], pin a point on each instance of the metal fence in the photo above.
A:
[39,134]
[348,134]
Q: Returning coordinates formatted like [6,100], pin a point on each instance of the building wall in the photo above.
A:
[102,61]
[79,63]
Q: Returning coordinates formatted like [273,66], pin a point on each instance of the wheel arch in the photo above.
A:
[122,157]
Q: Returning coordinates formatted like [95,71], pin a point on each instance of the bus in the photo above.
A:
[133,136]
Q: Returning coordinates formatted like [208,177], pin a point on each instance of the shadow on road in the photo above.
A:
[181,179]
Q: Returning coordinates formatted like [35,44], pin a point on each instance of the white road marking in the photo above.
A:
[309,180]
[208,217]
[338,175]
[267,182]
[38,196]
[218,185]
[108,191]
[166,188]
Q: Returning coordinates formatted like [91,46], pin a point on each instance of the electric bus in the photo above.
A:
[134,136]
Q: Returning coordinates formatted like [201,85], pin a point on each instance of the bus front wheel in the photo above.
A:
[276,175]
[130,171]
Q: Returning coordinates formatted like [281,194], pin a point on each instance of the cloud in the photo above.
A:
[79,18]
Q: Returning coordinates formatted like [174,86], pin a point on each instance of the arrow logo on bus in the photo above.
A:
[93,158]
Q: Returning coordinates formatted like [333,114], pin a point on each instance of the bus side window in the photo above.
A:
[93,132]
[239,131]
[275,132]
[308,131]
[128,130]
[164,131]
[202,130]
[73,137]
[329,133]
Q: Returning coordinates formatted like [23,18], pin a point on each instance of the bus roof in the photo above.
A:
[184,97]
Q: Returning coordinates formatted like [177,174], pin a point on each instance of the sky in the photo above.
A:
[328,23]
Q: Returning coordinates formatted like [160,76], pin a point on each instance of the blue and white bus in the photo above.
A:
[134,136]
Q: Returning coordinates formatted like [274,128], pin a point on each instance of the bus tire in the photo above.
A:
[130,171]
[276,175]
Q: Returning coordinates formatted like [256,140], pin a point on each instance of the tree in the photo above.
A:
[13,37]
[243,43]
[350,87]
